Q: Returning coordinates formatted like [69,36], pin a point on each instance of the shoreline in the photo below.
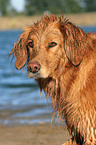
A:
[42,134]
[20,22]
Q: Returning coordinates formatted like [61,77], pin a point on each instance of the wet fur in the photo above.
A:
[68,74]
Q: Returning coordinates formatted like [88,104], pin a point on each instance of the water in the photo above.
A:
[20,101]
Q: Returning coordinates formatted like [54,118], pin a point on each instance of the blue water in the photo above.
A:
[20,101]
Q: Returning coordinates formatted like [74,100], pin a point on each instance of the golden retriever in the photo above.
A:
[61,57]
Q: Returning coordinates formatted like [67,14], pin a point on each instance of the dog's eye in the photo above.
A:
[30,44]
[52,44]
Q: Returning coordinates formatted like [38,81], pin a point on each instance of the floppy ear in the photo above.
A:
[20,50]
[76,42]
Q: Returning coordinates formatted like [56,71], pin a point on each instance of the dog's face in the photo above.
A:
[44,51]
[45,44]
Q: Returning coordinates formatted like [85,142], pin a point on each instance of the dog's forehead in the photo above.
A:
[43,31]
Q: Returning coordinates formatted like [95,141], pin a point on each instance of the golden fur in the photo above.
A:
[67,73]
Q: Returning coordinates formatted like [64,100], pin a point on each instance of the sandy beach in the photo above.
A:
[42,134]
[19,22]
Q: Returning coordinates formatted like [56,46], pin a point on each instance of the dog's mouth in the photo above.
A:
[37,73]
[33,75]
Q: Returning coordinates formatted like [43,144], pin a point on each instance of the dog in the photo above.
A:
[61,57]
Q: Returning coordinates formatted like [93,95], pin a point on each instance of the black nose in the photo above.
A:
[34,67]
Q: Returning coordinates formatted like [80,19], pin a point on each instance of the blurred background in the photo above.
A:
[38,7]
[20,101]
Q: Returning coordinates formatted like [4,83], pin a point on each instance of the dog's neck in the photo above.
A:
[58,86]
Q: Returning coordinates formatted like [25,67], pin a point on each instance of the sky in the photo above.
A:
[18,4]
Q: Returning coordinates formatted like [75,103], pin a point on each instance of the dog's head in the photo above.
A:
[48,42]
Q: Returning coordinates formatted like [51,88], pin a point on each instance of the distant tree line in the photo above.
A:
[33,7]
[90,5]
[4,6]
[55,6]
[59,6]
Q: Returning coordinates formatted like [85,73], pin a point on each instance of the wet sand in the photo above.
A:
[42,134]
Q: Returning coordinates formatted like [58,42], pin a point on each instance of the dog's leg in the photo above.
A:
[70,143]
